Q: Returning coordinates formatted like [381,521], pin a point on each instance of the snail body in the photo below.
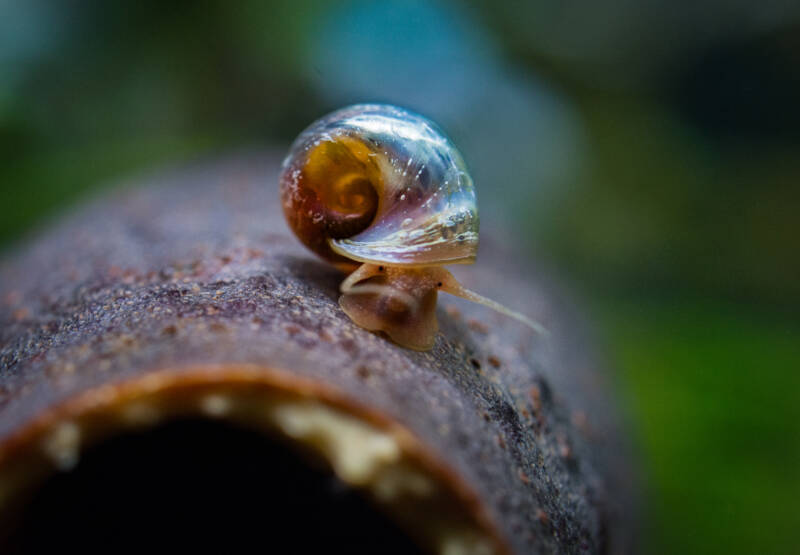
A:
[382,192]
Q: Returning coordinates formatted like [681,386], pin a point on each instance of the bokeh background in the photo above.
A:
[646,150]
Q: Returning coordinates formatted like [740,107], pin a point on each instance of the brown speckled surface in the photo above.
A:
[195,266]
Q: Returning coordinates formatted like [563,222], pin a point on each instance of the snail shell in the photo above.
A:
[379,186]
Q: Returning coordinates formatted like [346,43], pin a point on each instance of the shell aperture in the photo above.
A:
[386,186]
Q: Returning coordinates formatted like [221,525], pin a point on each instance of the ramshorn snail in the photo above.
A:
[381,192]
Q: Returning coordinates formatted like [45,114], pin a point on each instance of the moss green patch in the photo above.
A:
[716,397]
[41,185]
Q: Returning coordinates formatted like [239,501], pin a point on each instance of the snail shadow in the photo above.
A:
[316,274]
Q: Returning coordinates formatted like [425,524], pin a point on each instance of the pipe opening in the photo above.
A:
[197,484]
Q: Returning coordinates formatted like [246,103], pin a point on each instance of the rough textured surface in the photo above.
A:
[196,266]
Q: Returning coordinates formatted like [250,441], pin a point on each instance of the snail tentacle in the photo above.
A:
[452,286]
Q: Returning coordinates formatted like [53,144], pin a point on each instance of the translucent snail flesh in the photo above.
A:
[382,192]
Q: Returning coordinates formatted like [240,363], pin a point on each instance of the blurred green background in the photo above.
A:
[647,149]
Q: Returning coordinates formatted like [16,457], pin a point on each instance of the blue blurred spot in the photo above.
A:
[28,31]
[516,134]
[420,54]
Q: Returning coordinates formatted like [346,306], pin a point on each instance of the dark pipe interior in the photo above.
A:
[200,485]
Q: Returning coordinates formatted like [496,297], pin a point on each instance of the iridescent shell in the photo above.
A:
[377,184]
[382,193]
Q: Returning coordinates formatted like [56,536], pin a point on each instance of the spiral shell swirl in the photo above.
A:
[377,184]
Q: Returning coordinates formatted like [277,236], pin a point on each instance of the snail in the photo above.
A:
[382,193]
